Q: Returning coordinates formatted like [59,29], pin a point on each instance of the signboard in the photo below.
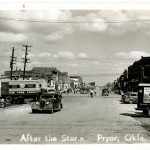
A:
[37,85]
[146,98]
[22,86]
[0,88]
[52,83]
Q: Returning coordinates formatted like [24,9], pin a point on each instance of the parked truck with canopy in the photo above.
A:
[144,98]
[12,90]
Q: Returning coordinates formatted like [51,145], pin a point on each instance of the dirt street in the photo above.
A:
[98,120]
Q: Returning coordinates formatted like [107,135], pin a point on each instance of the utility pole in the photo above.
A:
[25,59]
[142,70]
[12,59]
[142,74]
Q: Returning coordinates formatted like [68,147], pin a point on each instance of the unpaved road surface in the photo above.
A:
[82,120]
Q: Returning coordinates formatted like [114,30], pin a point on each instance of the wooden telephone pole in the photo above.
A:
[12,60]
[25,60]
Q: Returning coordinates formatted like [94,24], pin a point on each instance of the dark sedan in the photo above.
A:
[105,92]
[48,102]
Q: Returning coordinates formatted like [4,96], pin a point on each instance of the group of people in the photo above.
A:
[75,90]
[92,92]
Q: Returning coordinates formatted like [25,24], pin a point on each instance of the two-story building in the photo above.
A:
[75,82]
[63,81]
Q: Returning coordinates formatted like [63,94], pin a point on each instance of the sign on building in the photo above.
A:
[51,83]
[146,95]
[0,88]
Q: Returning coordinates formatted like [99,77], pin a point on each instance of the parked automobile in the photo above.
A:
[48,102]
[2,103]
[124,95]
[130,97]
[105,92]
[83,91]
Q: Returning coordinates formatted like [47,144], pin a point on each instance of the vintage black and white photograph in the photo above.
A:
[74,76]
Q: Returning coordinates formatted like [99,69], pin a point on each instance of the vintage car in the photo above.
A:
[124,95]
[105,92]
[130,97]
[49,102]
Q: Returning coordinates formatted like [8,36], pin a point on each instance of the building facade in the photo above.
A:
[55,78]
[138,72]
[76,82]
[63,81]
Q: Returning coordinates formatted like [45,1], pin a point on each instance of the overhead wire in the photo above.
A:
[3,37]
[14,39]
[72,21]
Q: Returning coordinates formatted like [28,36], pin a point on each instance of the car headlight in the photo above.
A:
[37,103]
[47,103]
[2,100]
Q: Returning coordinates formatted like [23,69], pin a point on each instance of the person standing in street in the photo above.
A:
[91,93]
[68,91]
[95,92]
[122,93]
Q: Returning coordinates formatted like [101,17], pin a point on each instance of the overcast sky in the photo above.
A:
[102,43]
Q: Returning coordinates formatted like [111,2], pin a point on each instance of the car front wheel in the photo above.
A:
[60,106]
[148,112]
[145,112]
[52,110]
[130,101]
[33,111]
[9,99]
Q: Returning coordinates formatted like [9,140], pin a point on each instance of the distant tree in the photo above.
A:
[108,85]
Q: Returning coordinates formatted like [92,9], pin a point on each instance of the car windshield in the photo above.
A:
[133,94]
[47,96]
[105,90]
[51,90]
[128,93]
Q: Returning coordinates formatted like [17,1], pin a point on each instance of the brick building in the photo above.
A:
[138,72]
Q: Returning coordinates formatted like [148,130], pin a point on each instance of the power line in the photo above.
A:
[11,39]
[99,74]
[71,21]
[5,37]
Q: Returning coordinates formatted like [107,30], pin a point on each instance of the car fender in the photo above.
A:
[34,105]
[131,99]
